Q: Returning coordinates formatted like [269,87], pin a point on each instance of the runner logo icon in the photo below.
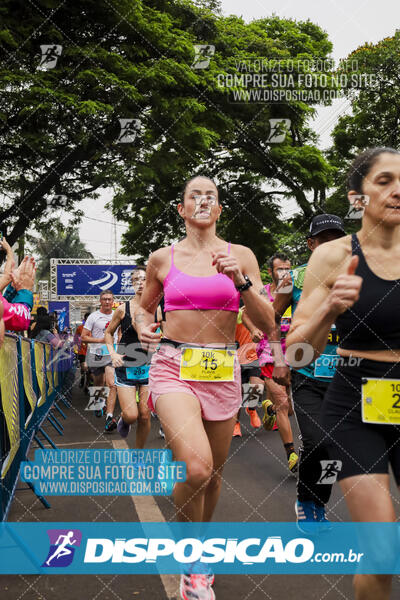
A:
[50,56]
[129,129]
[278,130]
[62,547]
[330,471]
[203,54]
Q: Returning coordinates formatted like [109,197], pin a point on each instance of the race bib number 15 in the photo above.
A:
[205,364]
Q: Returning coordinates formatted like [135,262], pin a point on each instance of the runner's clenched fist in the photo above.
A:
[346,289]
[228,265]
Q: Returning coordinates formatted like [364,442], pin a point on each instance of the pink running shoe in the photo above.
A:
[196,587]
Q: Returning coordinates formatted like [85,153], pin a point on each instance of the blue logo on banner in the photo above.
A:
[62,315]
[62,547]
[90,280]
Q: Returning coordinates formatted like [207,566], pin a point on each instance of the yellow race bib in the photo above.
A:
[207,364]
[380,401]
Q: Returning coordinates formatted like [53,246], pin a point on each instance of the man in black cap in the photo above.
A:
[309,384]
[330,224]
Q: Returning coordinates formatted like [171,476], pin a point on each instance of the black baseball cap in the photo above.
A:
[324,222]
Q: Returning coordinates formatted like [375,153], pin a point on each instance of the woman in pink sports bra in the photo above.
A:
[199,277]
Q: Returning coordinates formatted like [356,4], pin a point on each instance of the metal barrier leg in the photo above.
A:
[57,421]
[60,411]
[63,399]
[48,438]
[35,437]
[51,421]
[41,498]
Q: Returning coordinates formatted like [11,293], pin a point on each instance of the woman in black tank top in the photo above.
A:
[132,365]
[355,283]
[369,324]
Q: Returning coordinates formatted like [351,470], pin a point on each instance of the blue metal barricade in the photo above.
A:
[10,436]
[32,376]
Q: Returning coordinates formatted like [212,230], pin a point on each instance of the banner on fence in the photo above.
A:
[91,280]
[30,374]
[62,311]
[10,399]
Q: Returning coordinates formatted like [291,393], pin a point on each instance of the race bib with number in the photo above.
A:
[325,365]
[380,401]
[139,373]
[205,364]
[100,350]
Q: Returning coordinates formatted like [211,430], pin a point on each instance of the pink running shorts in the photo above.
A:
[218,400]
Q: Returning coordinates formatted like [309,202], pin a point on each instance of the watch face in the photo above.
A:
[246,285]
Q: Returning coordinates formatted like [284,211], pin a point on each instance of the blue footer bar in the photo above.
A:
[152,548]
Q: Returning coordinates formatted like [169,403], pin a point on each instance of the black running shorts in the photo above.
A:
[248,370]
[361,447]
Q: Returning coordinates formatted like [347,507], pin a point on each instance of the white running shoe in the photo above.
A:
[196,587]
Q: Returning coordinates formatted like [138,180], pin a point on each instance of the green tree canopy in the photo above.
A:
[118,59]
[56,241]
[132,59]
[253,174]
[375,112]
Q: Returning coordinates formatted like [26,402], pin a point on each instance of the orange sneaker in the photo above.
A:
[237,432]
[254,418]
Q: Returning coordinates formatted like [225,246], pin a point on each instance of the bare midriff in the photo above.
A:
[201,326]
[379,355]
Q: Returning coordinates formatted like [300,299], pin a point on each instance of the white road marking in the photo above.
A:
[148,511]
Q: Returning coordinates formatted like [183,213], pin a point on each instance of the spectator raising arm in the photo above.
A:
[22,279]
[1,325]
[17,314]
[5,277]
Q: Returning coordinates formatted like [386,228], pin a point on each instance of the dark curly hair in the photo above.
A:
[283,257]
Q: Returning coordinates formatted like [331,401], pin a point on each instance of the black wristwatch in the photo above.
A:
[244,286]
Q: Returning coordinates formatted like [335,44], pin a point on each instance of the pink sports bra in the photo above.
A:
[188,292]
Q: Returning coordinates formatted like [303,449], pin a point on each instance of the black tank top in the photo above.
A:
[373,322]
[129,333]
[129,343]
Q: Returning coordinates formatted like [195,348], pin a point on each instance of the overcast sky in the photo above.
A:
[349,23]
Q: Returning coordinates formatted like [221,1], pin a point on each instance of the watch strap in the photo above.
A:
[244,286]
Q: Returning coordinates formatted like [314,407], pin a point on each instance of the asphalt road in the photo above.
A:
[257,487]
